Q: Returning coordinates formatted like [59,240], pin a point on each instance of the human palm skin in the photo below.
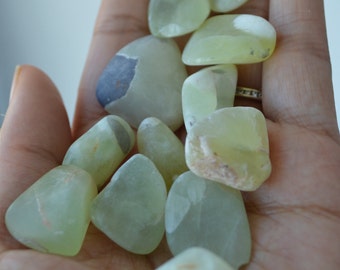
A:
[294,217]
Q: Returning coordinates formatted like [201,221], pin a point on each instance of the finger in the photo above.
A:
[34,137]
[297,85]
[251,75]
[119,22]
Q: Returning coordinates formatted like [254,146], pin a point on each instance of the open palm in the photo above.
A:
[294,217]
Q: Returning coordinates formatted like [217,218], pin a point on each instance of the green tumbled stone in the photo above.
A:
[171,18]
[207,214]
[231,39]
[207,90]
[225,5]
[102,148]
[196,258]
[230,146]
[54,213]
[130,209]
[154,89]
[156,141]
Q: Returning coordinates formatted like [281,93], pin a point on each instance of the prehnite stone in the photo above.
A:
[156,141]
[102,148]
[231,39]
[144,79]
[130,209]
[207,214]
[171,18]
[230,146]
[207,90]
[196,258]
[225,5]
[54,213]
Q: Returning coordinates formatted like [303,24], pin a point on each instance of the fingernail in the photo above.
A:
[15,81]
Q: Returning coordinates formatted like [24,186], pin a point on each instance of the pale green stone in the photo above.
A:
[207,90]
[130,209]
[230,146]
[53,214]
[196,258]
[204,213]
[231,39]
[102,148]
[155,90]
[162,146]
[226,5]
[171,18]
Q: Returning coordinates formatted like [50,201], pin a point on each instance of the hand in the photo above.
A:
[294,217]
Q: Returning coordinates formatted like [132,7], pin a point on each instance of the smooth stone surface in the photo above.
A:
[171,18]
[207,90]
[143,80]
[53,214]
[204,213]
[231,39]
[156,141]
[130,209]
[196,258]
[230,146]
[226,5]
[102,148]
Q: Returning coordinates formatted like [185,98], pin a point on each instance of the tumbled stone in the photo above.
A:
[207,90]
[207,214]
[231,39]
[102,148]
[196,258]
[171,18]
[54,213]
[226,5]
[230,146]
[130,209]
[144,79]
[162,146]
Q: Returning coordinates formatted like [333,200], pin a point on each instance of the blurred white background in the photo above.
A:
[55,36]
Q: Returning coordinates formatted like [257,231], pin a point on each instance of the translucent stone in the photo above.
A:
[54,213]
[226,5]
[162,146]
[230,146]
[102,148]
[196,258]
[130,209]
[204,213]
[144,79]
[231,39]
[171,18]
[207,90]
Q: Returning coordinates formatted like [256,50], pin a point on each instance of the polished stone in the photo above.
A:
[204,213]
[54,213]
[130,209]
[230,146]
[231,39]
[207,90]
[226,5]
[196,258]
[156,141]
[171,18]
[144,79]
[102,148]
